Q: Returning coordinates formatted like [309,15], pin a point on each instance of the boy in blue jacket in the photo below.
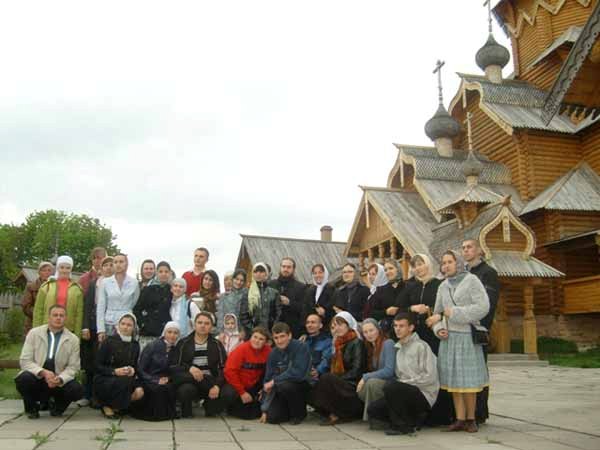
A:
[286,379]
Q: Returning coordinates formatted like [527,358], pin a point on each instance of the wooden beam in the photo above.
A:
[381,252]
[405,259]
[529,322]
[393,248]
[501,327]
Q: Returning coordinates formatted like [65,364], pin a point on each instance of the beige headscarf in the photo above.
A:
[254,291]
[429,275]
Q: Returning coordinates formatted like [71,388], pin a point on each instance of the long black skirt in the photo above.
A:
[157,404]
[332,395]
[114,391]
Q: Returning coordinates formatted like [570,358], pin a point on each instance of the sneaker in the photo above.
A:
[83,402]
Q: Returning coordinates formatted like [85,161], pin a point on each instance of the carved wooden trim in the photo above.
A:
[506,214]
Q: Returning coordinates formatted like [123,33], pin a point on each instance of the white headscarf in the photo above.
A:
[380,279]
[133,333]
[321,286]
[169,325]
[351,321]
[64,259]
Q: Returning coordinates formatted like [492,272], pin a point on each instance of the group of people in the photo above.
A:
[399,353]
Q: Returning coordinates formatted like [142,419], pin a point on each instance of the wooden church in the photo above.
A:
[515,164]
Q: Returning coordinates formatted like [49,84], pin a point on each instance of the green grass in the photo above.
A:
[7,384]
[560,352]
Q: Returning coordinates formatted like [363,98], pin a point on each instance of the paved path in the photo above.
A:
[544,408]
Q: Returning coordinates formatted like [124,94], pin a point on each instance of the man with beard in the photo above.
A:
[291,292]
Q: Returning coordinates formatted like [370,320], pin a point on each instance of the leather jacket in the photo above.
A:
[355,358]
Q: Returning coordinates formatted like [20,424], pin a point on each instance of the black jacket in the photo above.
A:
[154,362]
[384,297]
[489,278]
[183,358]
[355,361]
[418,293]
[89,309]
[152,310]
[114,353]
[291,314]
[325,301]
[352,298]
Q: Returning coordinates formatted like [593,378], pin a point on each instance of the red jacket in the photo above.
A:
[245,366]
[193,282]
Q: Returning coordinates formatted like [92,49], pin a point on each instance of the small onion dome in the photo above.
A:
[472,167]
[441,125]
[492,54]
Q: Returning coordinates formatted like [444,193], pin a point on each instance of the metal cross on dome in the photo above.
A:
[438,69]
[488,3]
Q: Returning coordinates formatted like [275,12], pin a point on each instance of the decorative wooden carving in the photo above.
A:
[529,323]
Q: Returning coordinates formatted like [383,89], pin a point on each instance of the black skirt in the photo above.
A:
[157,404]
[114,391]
[88,350]
[332,395]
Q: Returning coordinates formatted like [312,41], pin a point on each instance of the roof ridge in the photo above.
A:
[383,189]
[280,238]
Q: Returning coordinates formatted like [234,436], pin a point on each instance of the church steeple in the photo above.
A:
[442,127]
[492,57]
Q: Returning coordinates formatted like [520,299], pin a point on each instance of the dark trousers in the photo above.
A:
[35,390]
[288,402]
[188,392]
[236,408]
[403,406]
[481,405]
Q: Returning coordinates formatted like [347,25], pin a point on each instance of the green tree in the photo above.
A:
[48,232]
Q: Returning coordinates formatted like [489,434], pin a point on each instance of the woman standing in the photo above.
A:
[209,294]
[147,272]
[319,295]
[381,360]
[462,302]
[45,269]
[115,384]
[384,302]
[352,296]
[180,306]
[153,307]
[154,370]
[230,302]
[334,395]
[89,337]
[420,298]
[60,290]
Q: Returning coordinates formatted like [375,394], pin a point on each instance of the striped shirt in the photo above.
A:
[201,357]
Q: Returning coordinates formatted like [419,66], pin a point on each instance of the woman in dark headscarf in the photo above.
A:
[351,296]
[384,302]
[154,372]
[153,307]
[115,384]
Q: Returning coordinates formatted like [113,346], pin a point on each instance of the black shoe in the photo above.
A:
[296,420]
[44,406]
[56,413]
[377,425]
[398,431]
[33,414]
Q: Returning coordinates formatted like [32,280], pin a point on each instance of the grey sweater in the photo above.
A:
[417,365]
[470,305]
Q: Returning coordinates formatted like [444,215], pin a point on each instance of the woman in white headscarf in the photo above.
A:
[319,295]
[384,303]
[335,394]
[154,373]
[61,290]
[116,383]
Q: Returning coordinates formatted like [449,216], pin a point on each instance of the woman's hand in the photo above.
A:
[337,310]
[213,392]
[86,335]
[420,309]
[448,312]
[392,310]
[101,337]
[196,373]
[163,380]
[121,371]
[360,385]
[433,320]
[443,334]
[320,311]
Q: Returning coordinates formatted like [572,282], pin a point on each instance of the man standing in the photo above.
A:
[286,379]
[409,397]
[45,269]
[244,371]
[320,346]
[194,277]
[117,295]
[489,278]
[292,296]
[49,363]
[97,256]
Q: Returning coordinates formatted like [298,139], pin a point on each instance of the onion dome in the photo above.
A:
[472,167]
[492,54]
[442,125]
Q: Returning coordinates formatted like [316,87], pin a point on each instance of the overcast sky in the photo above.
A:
[183,124]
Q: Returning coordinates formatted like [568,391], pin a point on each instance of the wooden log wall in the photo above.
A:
[543,74]
[376,233]
[572,223]
[582,295]
[590,143]
[495,239]
[582,263]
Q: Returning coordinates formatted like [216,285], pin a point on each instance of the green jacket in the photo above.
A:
[46,297]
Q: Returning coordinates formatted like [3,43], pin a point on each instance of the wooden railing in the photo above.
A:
[582,295]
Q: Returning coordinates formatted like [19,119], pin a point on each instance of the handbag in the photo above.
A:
[479,333]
